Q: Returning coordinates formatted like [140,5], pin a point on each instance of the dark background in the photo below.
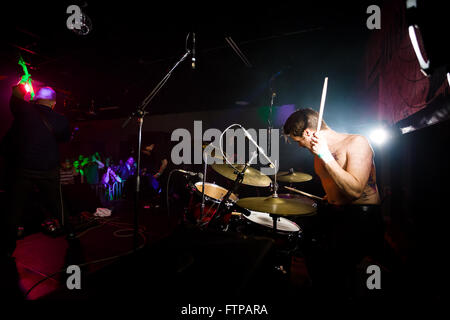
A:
[132,46]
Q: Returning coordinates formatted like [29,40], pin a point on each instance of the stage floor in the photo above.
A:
[39,256]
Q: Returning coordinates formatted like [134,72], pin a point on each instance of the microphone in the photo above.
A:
[261,150]
[193,174]
[193,51]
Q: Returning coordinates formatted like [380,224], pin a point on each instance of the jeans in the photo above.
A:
[20,186]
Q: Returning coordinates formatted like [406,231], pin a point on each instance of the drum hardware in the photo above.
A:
[213,196]
[253,177]
[292,176]
[305,193]
[286,237]
[277,207]
[240,176]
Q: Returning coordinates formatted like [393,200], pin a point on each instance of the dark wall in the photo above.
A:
[419,175]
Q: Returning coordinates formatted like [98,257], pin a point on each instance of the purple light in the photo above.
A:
[46,93]
[283,112]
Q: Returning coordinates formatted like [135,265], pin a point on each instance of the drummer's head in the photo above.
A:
[301,125]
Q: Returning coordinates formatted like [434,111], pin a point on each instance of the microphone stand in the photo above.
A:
[140,113]
[203,183]
[269,121]
[218,214]
[237,182]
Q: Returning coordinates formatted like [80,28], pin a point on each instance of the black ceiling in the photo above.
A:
[133,45]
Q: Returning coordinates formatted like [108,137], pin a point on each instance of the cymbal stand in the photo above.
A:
[237,182]
[275,195]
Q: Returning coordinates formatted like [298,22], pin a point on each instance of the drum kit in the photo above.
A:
[269,216]
[272,213]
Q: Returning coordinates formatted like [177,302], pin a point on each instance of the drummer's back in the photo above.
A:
[340,153]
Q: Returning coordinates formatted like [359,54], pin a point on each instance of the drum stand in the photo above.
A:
[275,195]
[221,210]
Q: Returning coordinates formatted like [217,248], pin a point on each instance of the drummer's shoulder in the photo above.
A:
[357,140]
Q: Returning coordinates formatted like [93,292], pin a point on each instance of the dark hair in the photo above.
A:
[300,120]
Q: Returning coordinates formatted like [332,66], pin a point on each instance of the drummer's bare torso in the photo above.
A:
[341,151]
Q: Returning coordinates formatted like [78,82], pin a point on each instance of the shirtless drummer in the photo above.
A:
[351,221]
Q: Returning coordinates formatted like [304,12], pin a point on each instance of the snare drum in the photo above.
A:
[261,224]
[213,197]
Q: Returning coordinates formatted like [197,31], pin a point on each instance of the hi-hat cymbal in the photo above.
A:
[293,177]
[252,177]
[277,206]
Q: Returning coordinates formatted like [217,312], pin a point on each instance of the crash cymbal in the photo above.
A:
[293,177]
[277,206]
[252,177]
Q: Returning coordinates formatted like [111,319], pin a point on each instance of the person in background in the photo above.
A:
[154,165]
[127,173]
[91,170]
[79,178]
[36,131]
[67,173]
[111,181]
[128,169]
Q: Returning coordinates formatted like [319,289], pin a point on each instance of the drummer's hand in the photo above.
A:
[319,147]
[325,198]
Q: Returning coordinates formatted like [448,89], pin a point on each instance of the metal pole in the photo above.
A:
[141,115]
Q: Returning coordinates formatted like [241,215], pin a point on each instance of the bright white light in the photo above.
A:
[407,129]
[412,35]
[379,136]
[448,78]
[411,4]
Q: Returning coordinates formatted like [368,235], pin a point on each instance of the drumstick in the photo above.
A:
[322,103]
[304,193]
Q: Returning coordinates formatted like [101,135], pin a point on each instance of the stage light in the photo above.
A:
[379,136]
[27,88]
[407,129]
[424,65]
[448,78]
[425,21]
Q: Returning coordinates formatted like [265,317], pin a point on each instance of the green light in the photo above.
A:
[264,112]
[26,78]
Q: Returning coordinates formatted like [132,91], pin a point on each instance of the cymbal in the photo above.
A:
[252,177]
[293,177]
[277,206]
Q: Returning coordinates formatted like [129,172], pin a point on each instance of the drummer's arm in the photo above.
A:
[353,179]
